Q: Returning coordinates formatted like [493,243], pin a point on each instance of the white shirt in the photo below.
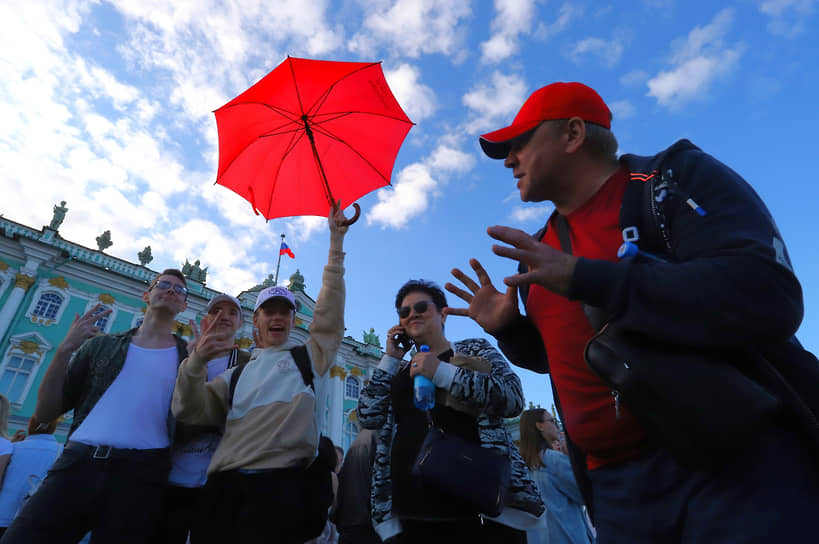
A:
[190,461]
[133,411]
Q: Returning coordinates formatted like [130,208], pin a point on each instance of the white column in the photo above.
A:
[22,282]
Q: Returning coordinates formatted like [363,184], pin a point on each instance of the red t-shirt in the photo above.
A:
[587,404]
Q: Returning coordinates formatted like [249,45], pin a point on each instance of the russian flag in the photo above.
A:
[286,251]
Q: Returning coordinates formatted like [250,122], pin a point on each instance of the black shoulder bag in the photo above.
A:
[479,476]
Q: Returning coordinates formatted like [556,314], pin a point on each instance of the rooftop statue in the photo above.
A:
[145,256]
[268,282]
[104,240]
[371,338]
[194,271]
[297,282]
[59,216]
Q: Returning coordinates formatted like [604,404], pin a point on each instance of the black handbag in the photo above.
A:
[696,403]
[477,475]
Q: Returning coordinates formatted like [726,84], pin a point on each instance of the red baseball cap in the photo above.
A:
[555,101]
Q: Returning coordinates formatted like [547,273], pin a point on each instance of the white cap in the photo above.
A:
[275,292]
[224,298]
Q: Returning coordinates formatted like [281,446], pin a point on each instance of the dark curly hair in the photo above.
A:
[435,293]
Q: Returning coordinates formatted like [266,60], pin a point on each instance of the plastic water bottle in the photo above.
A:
[424,389]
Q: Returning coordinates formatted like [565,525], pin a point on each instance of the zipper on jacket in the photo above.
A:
[615,394]
[666,185]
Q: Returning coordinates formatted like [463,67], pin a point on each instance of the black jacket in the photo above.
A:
[727,282]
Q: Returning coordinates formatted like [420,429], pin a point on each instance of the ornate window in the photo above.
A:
[20,364]
[352,387]
[48,306]
[48,302]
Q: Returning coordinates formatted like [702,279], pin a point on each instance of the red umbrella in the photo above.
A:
[308,134]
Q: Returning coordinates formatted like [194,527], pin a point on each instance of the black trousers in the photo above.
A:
[117,493]
[472,530]
[255,508]
[182,514]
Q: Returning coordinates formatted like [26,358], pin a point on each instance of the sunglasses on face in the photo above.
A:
[419,307]
[178,289]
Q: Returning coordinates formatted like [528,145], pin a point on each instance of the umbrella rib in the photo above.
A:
[326,94]
[351,148]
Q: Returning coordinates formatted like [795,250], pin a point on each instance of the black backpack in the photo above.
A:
[319,495]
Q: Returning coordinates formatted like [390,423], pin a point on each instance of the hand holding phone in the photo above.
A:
[398,342]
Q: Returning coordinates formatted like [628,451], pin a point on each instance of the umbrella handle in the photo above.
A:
[354,218]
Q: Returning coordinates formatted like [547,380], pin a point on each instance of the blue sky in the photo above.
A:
[107,105]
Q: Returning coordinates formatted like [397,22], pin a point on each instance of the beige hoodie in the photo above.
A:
[272,422]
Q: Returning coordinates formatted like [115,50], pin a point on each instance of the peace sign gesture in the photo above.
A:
[83,328]
[213,340]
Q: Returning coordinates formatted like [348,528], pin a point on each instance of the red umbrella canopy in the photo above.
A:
[309,133]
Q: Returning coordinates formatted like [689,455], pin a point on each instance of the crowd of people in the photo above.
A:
[651,271]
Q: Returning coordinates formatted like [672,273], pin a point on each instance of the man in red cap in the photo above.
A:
[672,254]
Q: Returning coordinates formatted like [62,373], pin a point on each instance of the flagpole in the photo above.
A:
[276,281]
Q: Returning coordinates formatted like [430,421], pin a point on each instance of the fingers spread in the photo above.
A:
[458,292]
[513,237]
[483,277]
[466,280]
[456,311]
[522,255]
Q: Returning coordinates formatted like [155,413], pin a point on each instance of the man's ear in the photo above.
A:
[255,321]
[145,296]
[575,134]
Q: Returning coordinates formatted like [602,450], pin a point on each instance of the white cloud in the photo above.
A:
[413,27]
[448,159]
[496,102]
[409,197]
[513,17]
[568,13]
[525,214]
[417,100]
[787,17]
[608,52]
[634,77]
[697,62]
[622,109]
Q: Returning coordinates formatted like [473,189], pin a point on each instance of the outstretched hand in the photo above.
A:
[548,267]
[83,328]
[488,307]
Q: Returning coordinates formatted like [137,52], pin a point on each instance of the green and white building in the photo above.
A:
[45,280]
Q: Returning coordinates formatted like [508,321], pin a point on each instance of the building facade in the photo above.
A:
[45,280]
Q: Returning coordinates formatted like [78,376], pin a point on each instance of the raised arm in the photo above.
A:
[195,400]
[327,327]
[53,397]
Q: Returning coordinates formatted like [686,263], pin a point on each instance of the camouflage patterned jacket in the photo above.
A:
[496,395]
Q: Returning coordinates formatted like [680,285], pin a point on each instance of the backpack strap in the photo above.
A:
[302,359]
[234,379]
[300,356]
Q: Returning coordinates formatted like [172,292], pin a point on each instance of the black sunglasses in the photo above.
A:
[178,289]
[419,307]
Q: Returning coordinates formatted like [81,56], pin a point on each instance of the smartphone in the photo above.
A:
[402,341]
